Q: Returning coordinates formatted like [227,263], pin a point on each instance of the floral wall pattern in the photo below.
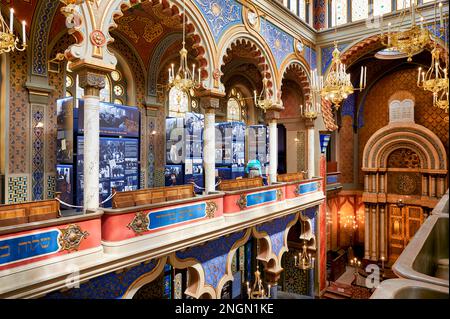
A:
[281,43]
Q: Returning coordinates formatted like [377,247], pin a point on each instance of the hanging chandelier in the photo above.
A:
[435,79]
[264,100]
[337,86]
[8,40]
[411,41]
[304,261]
[257,291]
[311,111]
[185,78]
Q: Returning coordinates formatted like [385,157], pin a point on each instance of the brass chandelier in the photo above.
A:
[337,86]
[411,41]
[8,40]
[435,79]
[257,291]
[184,79]
[264,100]
[304,261]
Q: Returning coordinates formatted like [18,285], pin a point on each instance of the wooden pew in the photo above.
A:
[28,212]
[291,177]
[151,196]
[239,184]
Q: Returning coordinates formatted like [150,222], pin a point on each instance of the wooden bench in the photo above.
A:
[241,183]
[28,212]
[291,177]
[151,196]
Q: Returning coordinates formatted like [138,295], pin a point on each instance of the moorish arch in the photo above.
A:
[90,23]
[257,49]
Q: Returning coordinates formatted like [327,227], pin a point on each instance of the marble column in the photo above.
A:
[373,251]
[209,143]
[381,187]
[424,185]
[273,150]
[366,183]
[366,231]
[92,82]
[311,149]
[374,183]
[433,186]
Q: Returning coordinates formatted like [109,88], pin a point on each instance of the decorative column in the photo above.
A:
[366,183]
[381,186]
[92,81]
[210,103]
[433,186]
[373,252]
[374,183]
[311,148]
[382,233]
[366,231]
[271,117]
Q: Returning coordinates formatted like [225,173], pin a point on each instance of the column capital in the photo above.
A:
[272,277]
[309,123]
[92,79]
[210,103]
[273,113]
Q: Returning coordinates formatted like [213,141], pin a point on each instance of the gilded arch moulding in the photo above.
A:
[273,241]
[209,265]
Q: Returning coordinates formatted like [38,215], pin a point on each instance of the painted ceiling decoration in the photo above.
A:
[281,43]
[220,15]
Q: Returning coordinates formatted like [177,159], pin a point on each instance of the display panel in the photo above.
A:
[64,183]
[174,175]
[175,141]
[115,120]
[64,120]
[118,166]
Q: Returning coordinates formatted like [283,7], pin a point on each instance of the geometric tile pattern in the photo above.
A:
[310,55]
[19,119]
[17,189]
[301,151]
[51,187]
[320,12]
[45,17]
[37,161]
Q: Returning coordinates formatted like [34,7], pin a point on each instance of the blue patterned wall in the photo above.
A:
[281,43]
[213,256]
[327,55]
[276,231]
[310,55]
[348,108]
[110,286]
[220,15]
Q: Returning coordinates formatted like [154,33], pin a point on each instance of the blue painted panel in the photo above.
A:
[308,188]
[261,198]
[332,179]
[281,43]
[177,215]
[28,246]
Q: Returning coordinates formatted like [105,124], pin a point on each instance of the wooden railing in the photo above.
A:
[239,184]
[151,196]
[22,213]
[291,177]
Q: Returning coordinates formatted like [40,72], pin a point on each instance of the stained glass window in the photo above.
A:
[360,9]
[339,12]
[381,7]
[116,76]
[178,103]
[233,110]
[293,6]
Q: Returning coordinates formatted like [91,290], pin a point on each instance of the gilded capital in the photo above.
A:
[92,82]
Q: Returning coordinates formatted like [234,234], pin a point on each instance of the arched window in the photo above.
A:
[178,103]
[236,107]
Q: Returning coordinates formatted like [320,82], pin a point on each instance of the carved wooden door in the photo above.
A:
[402,226]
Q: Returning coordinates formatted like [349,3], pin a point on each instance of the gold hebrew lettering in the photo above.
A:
[6,247]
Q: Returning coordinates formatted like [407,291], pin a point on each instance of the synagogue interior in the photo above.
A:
[224,149]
